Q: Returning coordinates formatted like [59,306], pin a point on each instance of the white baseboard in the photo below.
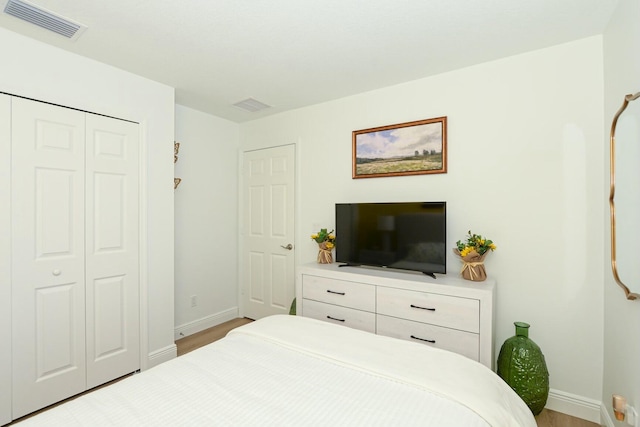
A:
[163,355]
[605,419]
[574,405]
[205,323]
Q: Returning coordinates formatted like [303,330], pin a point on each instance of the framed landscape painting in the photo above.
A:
[413,148]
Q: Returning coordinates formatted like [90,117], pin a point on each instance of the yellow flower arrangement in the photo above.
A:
[324,236]
[326,241]
[472,252]
[475,242]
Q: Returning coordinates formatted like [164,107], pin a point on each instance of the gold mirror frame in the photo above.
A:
[612,191]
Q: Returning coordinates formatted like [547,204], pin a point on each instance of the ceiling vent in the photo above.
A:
[251,105]
[44,18]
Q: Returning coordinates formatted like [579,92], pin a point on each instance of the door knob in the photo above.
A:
[56,272]
[288,247]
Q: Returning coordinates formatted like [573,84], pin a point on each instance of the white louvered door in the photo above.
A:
[75,263]
[47,206]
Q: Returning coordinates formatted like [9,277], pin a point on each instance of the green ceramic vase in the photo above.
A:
[521,364]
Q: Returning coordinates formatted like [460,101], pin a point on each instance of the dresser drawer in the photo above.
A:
[347,294]
[356,319]
[464,343]
[442,310]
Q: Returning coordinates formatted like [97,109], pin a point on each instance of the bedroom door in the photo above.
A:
[267,270]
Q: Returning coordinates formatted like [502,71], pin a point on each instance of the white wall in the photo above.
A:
[622,317]
[206,221]
[32,69]
[525,169]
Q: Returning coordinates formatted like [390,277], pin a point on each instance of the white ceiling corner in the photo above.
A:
[293,53]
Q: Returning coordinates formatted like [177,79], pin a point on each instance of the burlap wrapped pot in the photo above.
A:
[473,266]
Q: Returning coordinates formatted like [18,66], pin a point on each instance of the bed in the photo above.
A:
[296,371]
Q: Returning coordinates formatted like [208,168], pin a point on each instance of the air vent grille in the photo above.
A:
[43,18]
[251,105]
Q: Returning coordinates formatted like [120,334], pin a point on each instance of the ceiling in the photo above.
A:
[293,53]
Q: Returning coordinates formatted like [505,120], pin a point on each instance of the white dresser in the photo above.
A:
[447,312]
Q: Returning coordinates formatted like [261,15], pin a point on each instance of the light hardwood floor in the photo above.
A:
[546,418]
[549,418]
[199,339]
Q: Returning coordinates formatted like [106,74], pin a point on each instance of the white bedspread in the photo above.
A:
[295,371]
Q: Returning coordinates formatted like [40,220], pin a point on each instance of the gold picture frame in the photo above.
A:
[412,148]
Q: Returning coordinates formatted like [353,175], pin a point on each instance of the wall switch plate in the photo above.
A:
[194,300]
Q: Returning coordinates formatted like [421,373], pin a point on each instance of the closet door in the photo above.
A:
[48,294]
[112,230]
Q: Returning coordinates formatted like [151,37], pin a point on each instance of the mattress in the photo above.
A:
[296,371]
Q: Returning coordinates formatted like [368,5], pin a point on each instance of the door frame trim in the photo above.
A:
[5,269]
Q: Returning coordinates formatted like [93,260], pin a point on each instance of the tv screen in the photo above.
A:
[406,236]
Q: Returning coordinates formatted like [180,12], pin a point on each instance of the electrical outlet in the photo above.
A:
[194,300]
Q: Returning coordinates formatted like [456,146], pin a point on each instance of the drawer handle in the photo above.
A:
[333,318]
[334,292]
[423,339]
[423,308]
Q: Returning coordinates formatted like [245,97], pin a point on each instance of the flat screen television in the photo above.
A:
[405,236]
